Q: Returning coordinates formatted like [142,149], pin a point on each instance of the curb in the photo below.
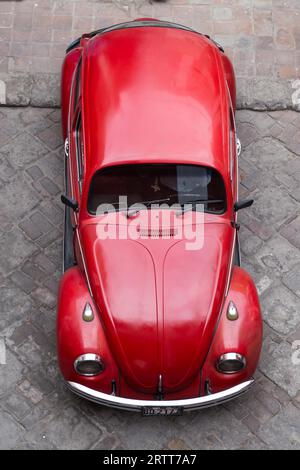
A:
[43,90]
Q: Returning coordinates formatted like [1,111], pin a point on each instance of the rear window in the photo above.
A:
[158,184]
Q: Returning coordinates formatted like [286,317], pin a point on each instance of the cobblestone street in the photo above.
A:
[262,37]
[36,410]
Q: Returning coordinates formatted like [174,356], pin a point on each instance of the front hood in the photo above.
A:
[159,302]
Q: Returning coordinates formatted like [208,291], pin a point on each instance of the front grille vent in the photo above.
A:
[158,233]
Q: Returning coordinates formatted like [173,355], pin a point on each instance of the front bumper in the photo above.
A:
[137,405]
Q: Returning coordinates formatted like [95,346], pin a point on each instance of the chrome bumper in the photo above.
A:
[137,405]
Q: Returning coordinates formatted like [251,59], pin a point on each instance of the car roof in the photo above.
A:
[154,94]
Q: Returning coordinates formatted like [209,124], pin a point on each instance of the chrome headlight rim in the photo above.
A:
[88,357]
[231,356]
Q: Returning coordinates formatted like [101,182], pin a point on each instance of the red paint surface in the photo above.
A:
[154,94]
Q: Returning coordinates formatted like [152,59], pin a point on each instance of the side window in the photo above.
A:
[77,85]
[232,143]
[79,151]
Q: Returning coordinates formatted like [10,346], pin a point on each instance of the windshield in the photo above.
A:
[158,183]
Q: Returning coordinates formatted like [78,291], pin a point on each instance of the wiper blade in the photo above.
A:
[134,211]
[202,200]
[148,203]
[195,201]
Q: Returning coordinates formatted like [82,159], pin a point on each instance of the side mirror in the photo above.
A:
[242,204]
[68,201]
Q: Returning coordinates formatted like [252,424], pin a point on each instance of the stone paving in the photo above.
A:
[262,37]
[36,410]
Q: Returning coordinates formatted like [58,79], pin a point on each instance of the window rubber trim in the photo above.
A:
[140,24]
[94,213]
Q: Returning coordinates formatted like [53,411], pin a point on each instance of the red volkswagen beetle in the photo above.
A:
[147,320]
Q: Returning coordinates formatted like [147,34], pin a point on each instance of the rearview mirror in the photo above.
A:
[68,201]
[242,204]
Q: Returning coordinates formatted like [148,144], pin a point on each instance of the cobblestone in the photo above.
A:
[280,307]
[285,424]
[261,37]
[37,410]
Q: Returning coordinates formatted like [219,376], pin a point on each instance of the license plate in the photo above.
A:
[162,411]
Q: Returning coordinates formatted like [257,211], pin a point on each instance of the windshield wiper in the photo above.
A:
[120,207]
[135,211]
[203,201]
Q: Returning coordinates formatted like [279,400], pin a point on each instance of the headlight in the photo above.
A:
[89,365]
[231,363]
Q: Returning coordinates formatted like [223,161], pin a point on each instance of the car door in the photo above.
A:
[77,152]
[233,155]
[74,157]
[234,178]
[75,124]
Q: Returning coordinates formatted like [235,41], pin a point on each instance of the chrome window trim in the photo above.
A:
[79,154]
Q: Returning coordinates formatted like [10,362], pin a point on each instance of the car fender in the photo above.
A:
[76,336]
[243,335]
